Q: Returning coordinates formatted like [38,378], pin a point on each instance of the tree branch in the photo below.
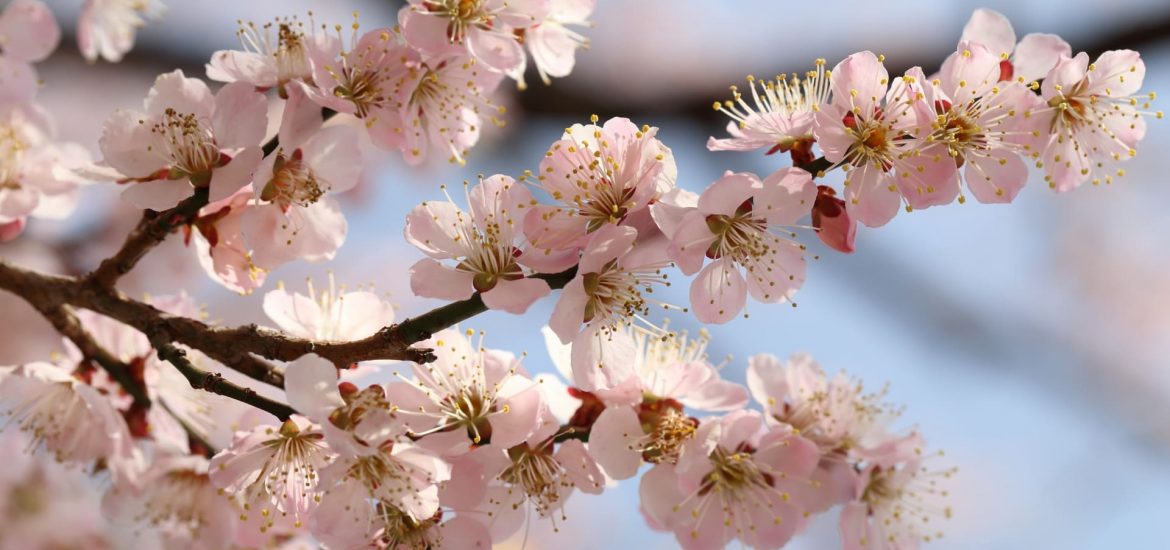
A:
[70,327]
[216,383]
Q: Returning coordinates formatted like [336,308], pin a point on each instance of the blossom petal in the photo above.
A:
[431,279]
[992,29]
[158,195]
[718,293]
[515,296]
[311,385]
[613,442]
[241,116]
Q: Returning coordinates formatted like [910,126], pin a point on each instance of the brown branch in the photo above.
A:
[215,383]
[151,230]
[70,327]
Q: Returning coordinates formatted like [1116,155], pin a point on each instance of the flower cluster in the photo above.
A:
[918,141]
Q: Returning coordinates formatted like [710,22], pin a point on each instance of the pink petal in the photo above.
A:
[613,442]
[863,74]
[992,29]
[127,144]
[600,358]
[463,533]
[1067,73]
[688,247]
[767,381]
[717,395]
[185,95]
[241,116]
[235,175]
[293,313]
[787,195]
[553,49]
[552,227]
[334,155]
[361,314]
[433,227]
[868,197]
[18,81]
[1117,73]
[431,279]
[854,527]
[515,296]
[524,410]
[728,193]
[1037,53]
[310,383]
[928,179]
[498,52]
[569,312]
[158,195]
[238,66]
[580,467]
[997,177]
[660,494]
[607,244]
[718,293]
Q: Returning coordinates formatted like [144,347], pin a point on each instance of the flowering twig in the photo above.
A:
[215,383]
[68,325]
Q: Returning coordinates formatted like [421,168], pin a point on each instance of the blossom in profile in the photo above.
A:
[186,138]
[738,224]
[273,54]
[553,42]
[484,30]
[331,314]
[107,28]
[598,176]
[485,242]
[296,216]
[779,117]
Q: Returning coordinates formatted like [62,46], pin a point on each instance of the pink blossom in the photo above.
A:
[273,470]
[29,34]
[364,81]
[331,315]
[296,215]
[875,130]
[1093,118]
[896,501]
[177,500]
[737,224]
[978,128]
[220,245]
[468,396]
[69,418]
[1027,61]
[444,107]
[552,43]
[734,480]
[36,176]
[481,29]
[187,138]
[505,483]
[273,54]
[485,242]
[614,278]
[599,175]
[106,28]
[779,116]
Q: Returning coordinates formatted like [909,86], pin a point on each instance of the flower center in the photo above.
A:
[461,16]
[740,236]
[615,293]
[537,474]
[399,530]
[293,183]
[288,48]
[733,474]
[665,440]
[175,498]
[470,409]
[363,75]
[188,143]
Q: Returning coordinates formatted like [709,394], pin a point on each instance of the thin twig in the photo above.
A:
[215,383]
[69,326]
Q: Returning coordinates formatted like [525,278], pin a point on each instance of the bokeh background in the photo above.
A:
[1028,341]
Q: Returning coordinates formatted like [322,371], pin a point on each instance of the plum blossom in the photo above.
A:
[599,175]
[874,130]
[273,470]
[780,117]
[979,124]
[374,462]
[274,54]
[899,496]
[36,177]
[481,29]
[552,43]
[177,499]
[1093,117]
[830,217]
[614,278]
[734,480]
[296,215]
[106,28]
[504,483]
[220,246]
[444,107]
[467,396]
[486,243]
[186,139]
[69,418]
[28,33]
[1027,61]
[736,224]
[331,315]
